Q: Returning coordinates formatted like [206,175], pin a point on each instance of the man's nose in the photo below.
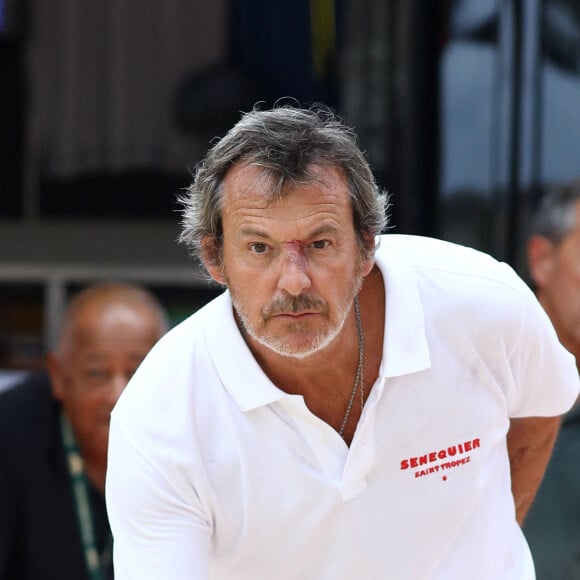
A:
[294,276]
[118,383]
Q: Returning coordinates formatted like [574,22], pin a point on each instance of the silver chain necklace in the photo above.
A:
[359,379]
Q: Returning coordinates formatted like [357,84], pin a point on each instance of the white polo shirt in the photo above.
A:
[215,473]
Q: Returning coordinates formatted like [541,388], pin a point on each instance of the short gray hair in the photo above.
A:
[286,142]
[555,215]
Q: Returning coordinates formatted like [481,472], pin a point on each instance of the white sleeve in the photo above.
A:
[545,373]
[158,534]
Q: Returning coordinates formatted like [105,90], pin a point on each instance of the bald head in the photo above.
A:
[104,301]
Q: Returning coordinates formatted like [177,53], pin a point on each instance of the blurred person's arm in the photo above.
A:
[530,444]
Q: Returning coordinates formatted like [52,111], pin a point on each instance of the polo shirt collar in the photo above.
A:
[233,361]
[405,348]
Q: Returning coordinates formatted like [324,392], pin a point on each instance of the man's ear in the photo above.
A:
[369,253]
[541,256]
[53,368]
[212,260]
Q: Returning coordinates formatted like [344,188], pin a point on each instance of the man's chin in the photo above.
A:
[296,346]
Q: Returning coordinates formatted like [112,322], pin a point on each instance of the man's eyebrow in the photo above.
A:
[252,232]
[324,229]
[319,231]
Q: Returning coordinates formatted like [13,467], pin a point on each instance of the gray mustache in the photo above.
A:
[294,305]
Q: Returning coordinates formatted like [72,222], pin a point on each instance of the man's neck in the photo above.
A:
[326,378]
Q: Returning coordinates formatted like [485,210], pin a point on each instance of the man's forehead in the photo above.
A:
[251,179]
[573,234]
[294,202]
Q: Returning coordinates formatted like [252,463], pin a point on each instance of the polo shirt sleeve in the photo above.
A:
[545,377]
[158,533]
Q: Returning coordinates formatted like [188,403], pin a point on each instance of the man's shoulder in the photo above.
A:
[434,252]
[443,259]
[187,336]
[26,411]
[25,396]
[458,283]
[181,359]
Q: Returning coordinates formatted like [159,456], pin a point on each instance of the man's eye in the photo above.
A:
[320,244]
[258,248]
[95,376]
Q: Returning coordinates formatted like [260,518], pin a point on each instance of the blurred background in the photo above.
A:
[467,109]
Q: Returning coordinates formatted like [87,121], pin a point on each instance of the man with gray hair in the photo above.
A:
[553,525]
[354,405]
[554,260]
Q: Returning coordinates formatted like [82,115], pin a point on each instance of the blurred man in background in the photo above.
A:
[553,524]
[54,431]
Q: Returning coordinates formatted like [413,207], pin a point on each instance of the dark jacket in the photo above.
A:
[39,534]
